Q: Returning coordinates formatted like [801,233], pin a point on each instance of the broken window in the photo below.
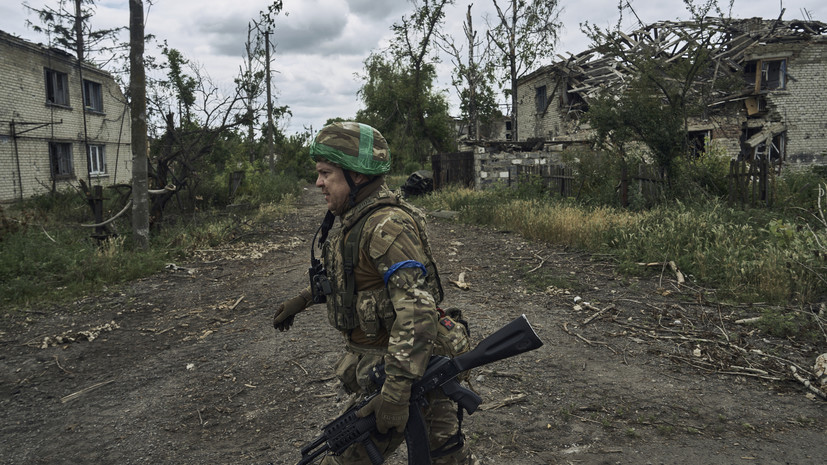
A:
[97,159]
[767,143]
[57,87]
[60,157]
[696,142]
[773,75]
[92,96]
[540,99]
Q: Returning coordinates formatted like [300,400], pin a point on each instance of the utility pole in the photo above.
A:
[137,95]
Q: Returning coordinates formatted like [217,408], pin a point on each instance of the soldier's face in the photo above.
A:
[331,180]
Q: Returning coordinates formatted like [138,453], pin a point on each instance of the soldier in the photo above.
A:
[380,283]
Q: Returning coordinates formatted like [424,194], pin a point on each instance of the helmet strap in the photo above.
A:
[354,189]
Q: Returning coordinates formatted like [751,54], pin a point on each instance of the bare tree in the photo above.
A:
[472,77]
[525,32]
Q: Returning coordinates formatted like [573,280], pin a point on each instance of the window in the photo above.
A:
[60,156]
[92,96]
[96,157]
[696,142]
[57,88]
[540,99]
[771,149]
[773,75]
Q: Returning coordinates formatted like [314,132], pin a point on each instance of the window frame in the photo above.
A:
[771,67]
[57,87]
[540,99]
[96,163]
[93,96]
[60,160]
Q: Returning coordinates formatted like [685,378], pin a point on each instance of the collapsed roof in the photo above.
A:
[730,40]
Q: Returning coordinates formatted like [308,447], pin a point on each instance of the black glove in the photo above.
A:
[388,414]
[286,313]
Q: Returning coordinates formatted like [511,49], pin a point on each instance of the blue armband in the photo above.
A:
[406,264]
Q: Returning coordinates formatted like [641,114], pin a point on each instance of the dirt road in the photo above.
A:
[185,367]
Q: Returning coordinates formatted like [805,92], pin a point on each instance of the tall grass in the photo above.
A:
[45,256]
[745,255]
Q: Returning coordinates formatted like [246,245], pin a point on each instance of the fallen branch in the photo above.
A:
[83,391]
[807,383]
[503,403]
[542,262]
[236,303]
[599,313]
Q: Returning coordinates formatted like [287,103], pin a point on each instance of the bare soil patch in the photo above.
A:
[184,367]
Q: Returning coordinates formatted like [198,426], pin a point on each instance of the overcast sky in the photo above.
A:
[321,44]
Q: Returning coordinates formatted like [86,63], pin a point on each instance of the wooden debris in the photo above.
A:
[503,403]
[83,391]
[818,392]
[460,282]
[595,315]
[233,306]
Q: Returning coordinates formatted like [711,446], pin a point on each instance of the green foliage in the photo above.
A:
[655,106]
[45,257]
[703,176]
[753,256]
[393,99]
[790,324]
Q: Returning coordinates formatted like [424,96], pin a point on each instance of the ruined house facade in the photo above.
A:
[779,114]
[58,123]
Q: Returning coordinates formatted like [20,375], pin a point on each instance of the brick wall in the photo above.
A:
[802,106]
[530,123]
[28,123]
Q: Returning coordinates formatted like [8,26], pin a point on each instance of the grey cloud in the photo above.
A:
[379,10]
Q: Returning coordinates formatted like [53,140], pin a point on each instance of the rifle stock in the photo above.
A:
[512,339]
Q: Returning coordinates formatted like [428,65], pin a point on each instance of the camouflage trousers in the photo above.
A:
[440,421]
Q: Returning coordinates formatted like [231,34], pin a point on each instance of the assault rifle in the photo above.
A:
[510,340]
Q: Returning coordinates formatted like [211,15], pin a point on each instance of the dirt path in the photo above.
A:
[180,371]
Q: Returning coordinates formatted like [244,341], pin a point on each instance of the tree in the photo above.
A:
[472,79]
[137,93]
[668,86]
[179,83]
[412,47]
[525,32]
[393,105]
[69,26]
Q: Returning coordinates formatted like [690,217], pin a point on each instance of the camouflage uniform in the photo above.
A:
[395,322]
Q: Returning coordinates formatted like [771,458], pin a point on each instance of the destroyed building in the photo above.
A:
[59,122]
[778,114]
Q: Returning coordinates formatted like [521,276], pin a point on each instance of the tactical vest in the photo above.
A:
[348,308]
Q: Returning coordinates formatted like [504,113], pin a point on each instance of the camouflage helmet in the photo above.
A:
[353,146]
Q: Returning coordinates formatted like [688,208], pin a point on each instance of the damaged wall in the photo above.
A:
[801,106]
[766,118]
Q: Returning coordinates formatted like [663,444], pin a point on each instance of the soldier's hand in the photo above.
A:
[388,414]
[286,313]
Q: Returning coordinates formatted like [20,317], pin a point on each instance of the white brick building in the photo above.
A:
[44,143]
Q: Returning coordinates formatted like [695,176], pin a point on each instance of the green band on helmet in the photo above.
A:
[365,144]
[353,146]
